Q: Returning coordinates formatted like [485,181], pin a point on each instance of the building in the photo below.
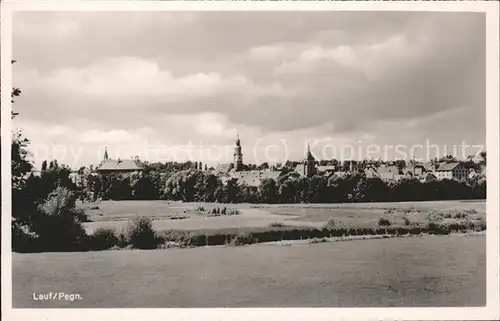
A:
[389,173]
[371,171]
[224,168]
[415,170]
[308,166]
[119,166]
[254,178]
[429,166]
[235,170]
[237,164]
[453,170]
[326,170]
[238,155]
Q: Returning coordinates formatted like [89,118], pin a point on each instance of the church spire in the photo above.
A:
[106,153]
[309,155]
[238,155]
[309,163]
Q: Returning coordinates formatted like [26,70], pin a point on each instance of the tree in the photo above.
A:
[263,166]
[268,191]
[448,159]
[400,164]
[483,156]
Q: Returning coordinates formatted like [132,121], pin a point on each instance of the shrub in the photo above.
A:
[384,222]
[276,224]
[411,210]
[440,229]
[242,239]
[23,240]
[103,239]
[178,217]
[482,225]
[407,221]
[200,208]
[58,223]
[330,224]
[461,215]
[317,240]
[140,234]
[389,211]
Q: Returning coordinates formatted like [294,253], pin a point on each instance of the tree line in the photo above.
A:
[199,186]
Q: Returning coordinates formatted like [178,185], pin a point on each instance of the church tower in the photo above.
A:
[309,163]
[238,155]
[106,153]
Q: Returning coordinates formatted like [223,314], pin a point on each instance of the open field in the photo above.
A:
[430,271]
[176,215]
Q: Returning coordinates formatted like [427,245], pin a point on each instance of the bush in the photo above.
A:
[242,239]
[58,223]
[140,234]
[330,224]
[103,239]
[462,215]
[407,221]
[276,224]
[23,241]
[384,222]
[482,225]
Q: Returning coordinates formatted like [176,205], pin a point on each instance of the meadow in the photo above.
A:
[168,215]
[429,271]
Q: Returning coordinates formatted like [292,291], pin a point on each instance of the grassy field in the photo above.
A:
[429,271]
[184,216]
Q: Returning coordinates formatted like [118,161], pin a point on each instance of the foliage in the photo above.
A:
[199,186]
[384,222]
[183,238]
[57,222]
[140,234]
[103,239]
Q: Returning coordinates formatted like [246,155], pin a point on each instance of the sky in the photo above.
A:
[175,86]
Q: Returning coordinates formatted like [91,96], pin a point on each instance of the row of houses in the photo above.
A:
[424,171]
[308,167]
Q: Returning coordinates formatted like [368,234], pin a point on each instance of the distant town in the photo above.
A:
[252,174]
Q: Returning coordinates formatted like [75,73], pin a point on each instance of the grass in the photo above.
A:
[406,272]
[202,224]
[279,232]
[167,215]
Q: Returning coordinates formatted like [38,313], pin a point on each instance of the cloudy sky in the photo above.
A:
[175,86]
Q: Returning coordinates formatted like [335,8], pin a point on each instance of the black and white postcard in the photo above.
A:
[168,156]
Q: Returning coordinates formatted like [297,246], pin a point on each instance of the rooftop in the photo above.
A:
[447,167]
[119,165]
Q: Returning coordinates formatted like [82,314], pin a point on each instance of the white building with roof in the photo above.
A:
[452,170]
[120,166]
